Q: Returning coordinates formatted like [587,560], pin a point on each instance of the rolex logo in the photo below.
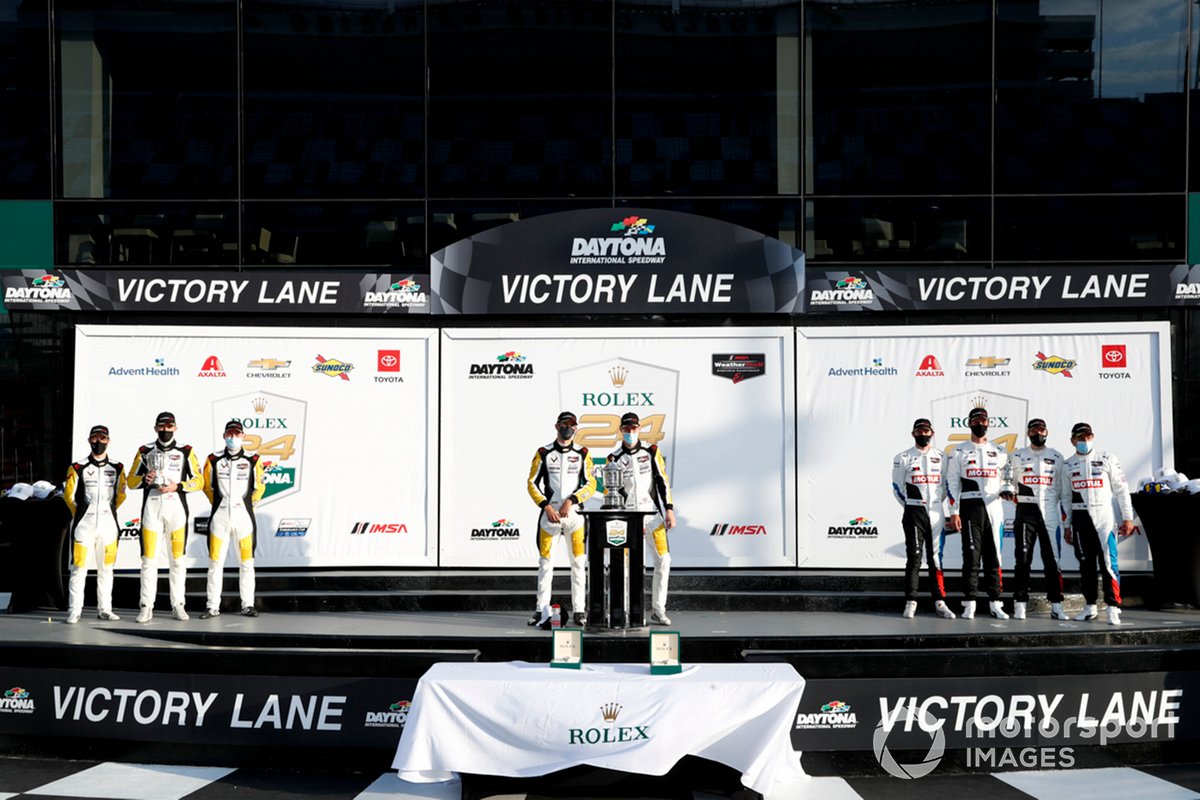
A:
[611,711]
[260,404]
[979,401]
[618,375]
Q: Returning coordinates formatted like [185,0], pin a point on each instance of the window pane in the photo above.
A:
[158,234]
[24,101]
[1090,96]
[452,221]
[1090,228]
[928,229]
[777,218]
[334,100]
[334,234]
[520,98]
[689,123]
[148,99]
[900,96]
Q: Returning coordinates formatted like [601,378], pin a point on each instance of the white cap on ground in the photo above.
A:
[21,491]
[43,489]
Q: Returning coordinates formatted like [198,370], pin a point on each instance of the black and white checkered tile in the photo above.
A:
[77,780]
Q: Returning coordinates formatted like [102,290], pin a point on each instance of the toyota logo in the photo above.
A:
[388,360]
[1113,356]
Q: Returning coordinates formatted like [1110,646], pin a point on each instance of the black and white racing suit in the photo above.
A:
[1093,480]
[974,482]
[1035,474]
[918,486]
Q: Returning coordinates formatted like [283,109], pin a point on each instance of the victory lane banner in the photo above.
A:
[214,291]
[239,710]
[618,261]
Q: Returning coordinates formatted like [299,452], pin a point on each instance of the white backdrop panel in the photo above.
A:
[345,418]
[728,444]
[859,390]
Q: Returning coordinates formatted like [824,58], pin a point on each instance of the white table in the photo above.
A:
[519,719]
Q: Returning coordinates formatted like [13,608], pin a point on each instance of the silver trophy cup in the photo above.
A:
[156,462]
[614,479]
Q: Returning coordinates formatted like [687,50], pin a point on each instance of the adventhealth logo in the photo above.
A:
[612,733]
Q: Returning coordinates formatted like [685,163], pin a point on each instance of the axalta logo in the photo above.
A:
[379,527]
[394,717]
[1187,291]
[158,370]
[332,367]
[930,367]
[726,529]
[16,701]
[611,733]
[499,529]
[850,290]
[268,368]
[45,288]
[857,528]
[987,367]
[833,715]
[1055,365]
[507,365]
[406,292]
[635,245]
[293,526]
[211,368]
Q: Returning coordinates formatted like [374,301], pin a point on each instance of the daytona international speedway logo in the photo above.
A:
[633,226]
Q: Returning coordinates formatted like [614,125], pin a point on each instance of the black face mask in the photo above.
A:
[979,430]
[565,433]
[166,436]
[1037,439]
[98,447]
[922,440]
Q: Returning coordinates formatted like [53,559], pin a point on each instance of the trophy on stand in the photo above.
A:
[614,479]
[156,462]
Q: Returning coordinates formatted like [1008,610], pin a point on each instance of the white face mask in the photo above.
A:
[630,438]
[233,443]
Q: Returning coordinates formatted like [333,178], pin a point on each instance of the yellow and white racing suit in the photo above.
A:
[165,513]
[233,483]
[646,487]
[556,473]
[93,491]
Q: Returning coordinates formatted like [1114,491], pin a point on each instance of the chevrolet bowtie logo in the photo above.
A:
[268,363]
[988,362]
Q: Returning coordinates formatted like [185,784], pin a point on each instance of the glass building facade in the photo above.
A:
[351,133]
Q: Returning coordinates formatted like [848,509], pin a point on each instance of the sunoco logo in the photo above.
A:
[332,367]
[507,365]
[500,529]
[850,290]
[833,715]
[16,701]
[394,717]
[610,733]
[635,245]
[1054,365]
[857,528]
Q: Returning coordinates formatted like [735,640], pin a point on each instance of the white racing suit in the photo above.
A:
[1092,481]
[93,492]
[974,482]
[556,473]
[165,514]
[1035,476]
[917,485]
[647,488]
[233,483]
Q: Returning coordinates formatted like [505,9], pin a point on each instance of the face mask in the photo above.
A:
[98,448]
[1084,447]
[979,430]
[1037,439]
[565,433]
[233,443]
[166,436]
[630,438]
[922,441]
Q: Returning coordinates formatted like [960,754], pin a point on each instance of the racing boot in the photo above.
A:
[968,611]
[145,615]
[910,609]
[1114,615]
[1089,612]
[1056,611]
[996,609]
[943,610]
[1018,610]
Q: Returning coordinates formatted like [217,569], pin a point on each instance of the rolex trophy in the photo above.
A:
[614,479]
[156,462]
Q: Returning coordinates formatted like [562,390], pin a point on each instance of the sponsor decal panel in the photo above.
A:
[510,365]
[737,367]
[293,526]
[498,530]
[857,528]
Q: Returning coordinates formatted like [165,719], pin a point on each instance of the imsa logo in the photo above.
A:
[725,529]
[379,527]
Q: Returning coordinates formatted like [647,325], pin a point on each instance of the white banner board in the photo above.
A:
[344,419]
[718,401]
[859,390]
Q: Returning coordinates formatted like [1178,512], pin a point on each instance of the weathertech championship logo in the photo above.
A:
[500,529]
[847,291]
[16,701]
[44,289]
[507,365]
[635,245]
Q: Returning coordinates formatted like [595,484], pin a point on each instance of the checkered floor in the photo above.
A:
[68,780]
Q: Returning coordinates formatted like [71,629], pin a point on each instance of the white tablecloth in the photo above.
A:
[523,719]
